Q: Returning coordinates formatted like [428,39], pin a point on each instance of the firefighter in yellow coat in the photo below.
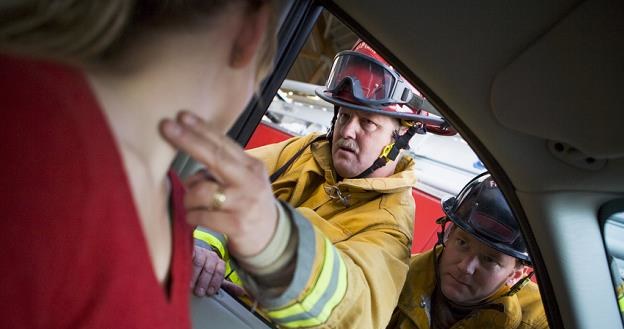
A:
[340,251]
[477,277]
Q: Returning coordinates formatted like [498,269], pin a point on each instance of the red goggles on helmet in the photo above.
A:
[366,80]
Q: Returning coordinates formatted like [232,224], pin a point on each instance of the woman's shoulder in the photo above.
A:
[44,92]
[52,130]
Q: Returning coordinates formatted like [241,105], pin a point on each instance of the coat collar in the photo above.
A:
[415,299]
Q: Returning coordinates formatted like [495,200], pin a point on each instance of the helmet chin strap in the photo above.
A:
[519,285]
[487,303]
[330,131]
[442,221]
[392,150]
[482,305]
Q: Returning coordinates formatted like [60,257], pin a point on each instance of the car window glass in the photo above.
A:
[613,235]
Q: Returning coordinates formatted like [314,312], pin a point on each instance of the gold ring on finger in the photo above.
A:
[218,199]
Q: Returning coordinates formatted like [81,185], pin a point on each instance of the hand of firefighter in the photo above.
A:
[236,199]
[208,272]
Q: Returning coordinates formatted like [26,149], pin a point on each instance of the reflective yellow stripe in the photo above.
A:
[619,291]
[319,288]
[341,289]
[216,242]
[326,312]
[211,240]
[233,276]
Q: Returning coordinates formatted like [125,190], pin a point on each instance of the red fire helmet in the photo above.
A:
[361,79]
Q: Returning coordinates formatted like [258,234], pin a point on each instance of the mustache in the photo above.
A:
[348,144]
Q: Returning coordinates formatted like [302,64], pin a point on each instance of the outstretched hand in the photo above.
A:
[237,200]
[209,274]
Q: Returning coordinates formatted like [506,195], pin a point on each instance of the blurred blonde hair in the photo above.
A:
[86,31]
[67,30]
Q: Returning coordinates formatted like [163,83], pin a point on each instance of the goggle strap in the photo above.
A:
[406,94]
[419,103]
[416,102]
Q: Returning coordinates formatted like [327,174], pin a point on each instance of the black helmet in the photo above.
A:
[481,210]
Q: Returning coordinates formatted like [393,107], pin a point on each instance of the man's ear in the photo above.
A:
[517,274]
[448,230]
[402,130]
[251,32]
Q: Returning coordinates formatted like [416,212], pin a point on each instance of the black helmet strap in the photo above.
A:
[283,168]
[391,151]
[330,131]
[519,285]
[442,221]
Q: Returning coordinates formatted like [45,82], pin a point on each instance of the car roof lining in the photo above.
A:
[560,71]
[580,259]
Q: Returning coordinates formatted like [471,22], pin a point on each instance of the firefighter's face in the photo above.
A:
[359,137]
[470,271]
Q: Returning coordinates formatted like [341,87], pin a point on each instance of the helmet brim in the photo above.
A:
[433,124]
[326,96]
